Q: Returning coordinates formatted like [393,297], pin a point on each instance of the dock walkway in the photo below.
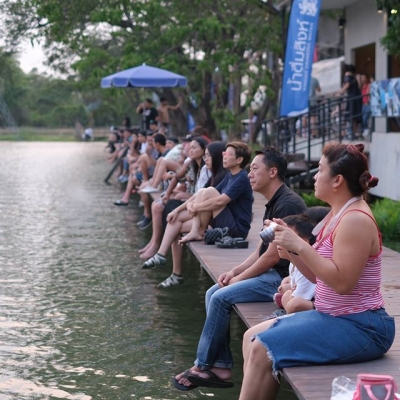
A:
[308,383]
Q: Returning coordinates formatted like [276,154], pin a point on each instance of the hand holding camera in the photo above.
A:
[280,234]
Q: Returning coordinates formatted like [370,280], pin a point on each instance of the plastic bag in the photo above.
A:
[343,388]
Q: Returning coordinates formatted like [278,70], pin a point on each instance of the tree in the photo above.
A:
[13,85]
[392,39]
[215,43]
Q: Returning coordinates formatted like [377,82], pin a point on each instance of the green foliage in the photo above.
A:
[387,215]
[193,38]
[311,200]
[44,101]
[392,39]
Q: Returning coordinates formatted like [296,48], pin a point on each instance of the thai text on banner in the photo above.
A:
[302,32]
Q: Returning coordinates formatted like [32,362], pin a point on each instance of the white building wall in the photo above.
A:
[384,162]
[364,25]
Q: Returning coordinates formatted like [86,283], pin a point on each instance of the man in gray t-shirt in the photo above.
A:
[314,88]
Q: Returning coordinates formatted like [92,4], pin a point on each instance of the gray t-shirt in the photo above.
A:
[312,97]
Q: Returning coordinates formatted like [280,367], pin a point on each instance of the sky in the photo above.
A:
[32,57]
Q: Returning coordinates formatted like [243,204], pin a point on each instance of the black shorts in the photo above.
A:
[313,110]
[226,219]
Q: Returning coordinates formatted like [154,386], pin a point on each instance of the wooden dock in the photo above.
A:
[308,383]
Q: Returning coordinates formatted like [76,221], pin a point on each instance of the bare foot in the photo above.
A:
[190,237]
[150,252]
[181,378]
[145,248]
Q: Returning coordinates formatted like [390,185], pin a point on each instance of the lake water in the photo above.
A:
[79,318]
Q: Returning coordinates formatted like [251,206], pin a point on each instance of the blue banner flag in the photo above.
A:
[302,32]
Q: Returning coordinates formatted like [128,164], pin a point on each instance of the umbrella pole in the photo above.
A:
[116,164]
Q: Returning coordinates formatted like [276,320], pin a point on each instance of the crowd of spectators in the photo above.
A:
[321,267]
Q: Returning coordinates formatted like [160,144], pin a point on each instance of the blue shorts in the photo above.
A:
[139,176]
[315,338]
[226,219]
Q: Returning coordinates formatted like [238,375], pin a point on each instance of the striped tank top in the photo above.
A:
[366,295]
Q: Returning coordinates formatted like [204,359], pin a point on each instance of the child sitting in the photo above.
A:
[296,292]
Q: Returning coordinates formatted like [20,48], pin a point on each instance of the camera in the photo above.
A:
[267,235]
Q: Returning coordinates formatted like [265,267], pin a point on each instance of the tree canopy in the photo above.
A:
[227,49]
[392,39]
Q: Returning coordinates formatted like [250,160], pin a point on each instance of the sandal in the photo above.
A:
[212,380]
[121,203]
[229,242]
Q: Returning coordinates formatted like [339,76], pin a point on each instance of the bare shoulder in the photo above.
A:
[357,220]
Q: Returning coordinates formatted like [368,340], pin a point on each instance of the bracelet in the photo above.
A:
[292,252]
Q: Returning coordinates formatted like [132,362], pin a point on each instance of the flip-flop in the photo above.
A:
[212,381]
[179,386]
[120,203]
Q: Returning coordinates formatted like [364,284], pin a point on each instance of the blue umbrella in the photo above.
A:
[144,76]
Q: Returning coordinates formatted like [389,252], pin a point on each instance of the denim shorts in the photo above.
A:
[315,338]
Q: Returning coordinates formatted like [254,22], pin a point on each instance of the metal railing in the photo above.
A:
[332,119]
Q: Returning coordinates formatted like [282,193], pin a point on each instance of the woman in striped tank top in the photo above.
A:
[349,323]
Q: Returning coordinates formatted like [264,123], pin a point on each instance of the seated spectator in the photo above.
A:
[113,139]
[131,157]
[296,292]
[349,323]
[213,163]
[194,176]
[255,279]
[229,204]
[121,149]
[147,160]
[171,162]
[142,167]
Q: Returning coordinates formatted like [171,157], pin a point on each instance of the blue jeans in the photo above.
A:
[315,338]
[213,349]
[366,114]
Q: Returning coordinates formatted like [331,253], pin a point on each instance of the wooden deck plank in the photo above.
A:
[308,383]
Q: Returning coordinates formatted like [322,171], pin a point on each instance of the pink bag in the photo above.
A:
[375,387]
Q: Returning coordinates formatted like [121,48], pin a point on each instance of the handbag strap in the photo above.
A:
[372,396]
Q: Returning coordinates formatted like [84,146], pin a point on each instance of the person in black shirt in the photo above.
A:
[254,280]
[149,113]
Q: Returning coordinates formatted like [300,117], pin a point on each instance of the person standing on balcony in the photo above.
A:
[366,104]
[353,111]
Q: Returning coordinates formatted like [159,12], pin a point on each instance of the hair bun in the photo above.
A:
[360,147]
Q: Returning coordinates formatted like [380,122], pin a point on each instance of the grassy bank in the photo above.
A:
[30,134]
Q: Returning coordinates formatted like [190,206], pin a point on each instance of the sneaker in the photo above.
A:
[172,280]
[157,259]
[121,203]
[140,205]
[123,178]
[277,299]
[149,189]
[140,220]
[146,222]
